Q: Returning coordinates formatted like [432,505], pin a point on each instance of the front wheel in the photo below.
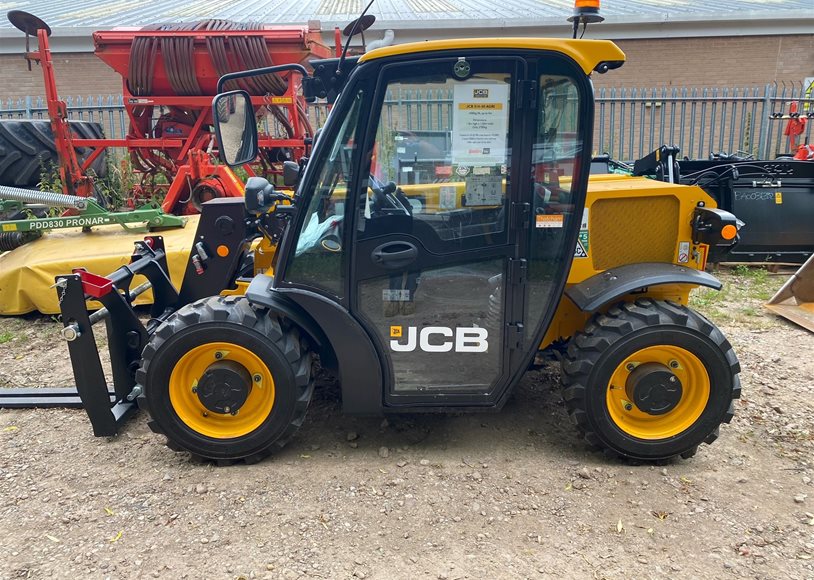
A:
[650,380]
[225,381]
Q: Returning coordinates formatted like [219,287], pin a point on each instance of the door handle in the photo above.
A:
[394,255]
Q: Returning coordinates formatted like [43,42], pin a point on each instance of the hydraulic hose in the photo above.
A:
[228,54]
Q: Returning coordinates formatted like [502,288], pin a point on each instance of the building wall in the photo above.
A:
[77,74]
[714,61]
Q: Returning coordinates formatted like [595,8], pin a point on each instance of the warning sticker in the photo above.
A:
[548,220]
[778,197]
[584,236]
[484,190]
[683,252]
[395,295]
[279,100]
[579,251]
[584,223]
[584,239]
[447,197]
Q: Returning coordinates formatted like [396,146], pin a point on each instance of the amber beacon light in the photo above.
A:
[585,12]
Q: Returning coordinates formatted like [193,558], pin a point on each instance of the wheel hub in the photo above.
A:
[224,387]
[653,388]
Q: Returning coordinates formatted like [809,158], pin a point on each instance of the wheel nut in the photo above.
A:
[194,389]
[628,407]
[257,378]
[630,367]
[218,355]
[672,379]
[227,409]
[674,364]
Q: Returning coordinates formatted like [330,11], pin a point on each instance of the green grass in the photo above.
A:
[6,336]
[745,290]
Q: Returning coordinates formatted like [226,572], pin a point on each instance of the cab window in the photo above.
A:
[440,162]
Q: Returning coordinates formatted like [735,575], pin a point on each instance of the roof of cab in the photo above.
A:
[587,53]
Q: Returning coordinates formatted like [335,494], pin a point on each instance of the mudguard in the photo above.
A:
[338,337]
[610,285]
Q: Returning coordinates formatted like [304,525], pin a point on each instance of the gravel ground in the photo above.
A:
[509,495]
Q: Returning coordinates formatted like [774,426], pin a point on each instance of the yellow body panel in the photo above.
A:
[630,220]
[587,53]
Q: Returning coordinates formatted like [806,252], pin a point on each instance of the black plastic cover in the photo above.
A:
[593,293]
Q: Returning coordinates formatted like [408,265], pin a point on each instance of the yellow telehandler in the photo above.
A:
[426,284]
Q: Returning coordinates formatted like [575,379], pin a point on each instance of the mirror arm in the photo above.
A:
[261,71]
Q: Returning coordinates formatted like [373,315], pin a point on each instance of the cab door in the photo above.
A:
[434,275]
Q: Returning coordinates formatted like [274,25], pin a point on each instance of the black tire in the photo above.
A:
[27,146]
[608,339]
[228,319]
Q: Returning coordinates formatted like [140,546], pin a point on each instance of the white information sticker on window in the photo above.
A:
[484,190]
[447,197]
[395,295]
[480,123]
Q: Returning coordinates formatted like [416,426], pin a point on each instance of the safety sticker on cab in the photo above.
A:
[549,220]
[584,237]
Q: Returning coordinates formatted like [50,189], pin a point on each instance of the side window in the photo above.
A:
[318,258]
[556,147]
[557,144]
[440,162]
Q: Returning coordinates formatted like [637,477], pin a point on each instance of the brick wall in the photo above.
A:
[716,61]
[77,74]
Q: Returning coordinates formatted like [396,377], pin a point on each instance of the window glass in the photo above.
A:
[440,162]
[318,258]
[556,148]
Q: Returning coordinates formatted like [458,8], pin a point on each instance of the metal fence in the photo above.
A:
[630,122]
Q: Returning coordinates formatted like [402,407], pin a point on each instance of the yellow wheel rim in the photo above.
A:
[192,412]
[695,383]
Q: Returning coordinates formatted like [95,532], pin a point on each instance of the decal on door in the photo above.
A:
[439,339]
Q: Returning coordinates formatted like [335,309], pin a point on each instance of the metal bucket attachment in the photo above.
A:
[795,300]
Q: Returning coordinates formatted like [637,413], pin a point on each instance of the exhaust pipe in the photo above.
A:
[387,40]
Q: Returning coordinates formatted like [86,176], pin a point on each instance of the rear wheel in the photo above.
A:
[650,380]
[225,381]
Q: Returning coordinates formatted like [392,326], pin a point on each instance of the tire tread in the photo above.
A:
[239,311]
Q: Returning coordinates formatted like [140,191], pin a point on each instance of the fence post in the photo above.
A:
[764,124]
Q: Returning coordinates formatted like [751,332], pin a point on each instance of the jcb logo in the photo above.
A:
[439,339]
[480,93]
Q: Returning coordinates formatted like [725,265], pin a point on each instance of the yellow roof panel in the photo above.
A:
[587,53]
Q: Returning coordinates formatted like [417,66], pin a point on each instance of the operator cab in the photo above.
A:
[438,236]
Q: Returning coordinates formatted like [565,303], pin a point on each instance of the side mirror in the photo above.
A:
[235,127]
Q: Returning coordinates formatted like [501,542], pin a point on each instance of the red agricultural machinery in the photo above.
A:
[169,76]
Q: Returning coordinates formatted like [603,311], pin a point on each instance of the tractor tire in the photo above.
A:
[225,381]
[650,380]
[27,146]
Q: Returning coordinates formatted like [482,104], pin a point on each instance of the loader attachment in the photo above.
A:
[795,300]
[217,260]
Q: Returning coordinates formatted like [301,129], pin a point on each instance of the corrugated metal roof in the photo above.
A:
[390,13]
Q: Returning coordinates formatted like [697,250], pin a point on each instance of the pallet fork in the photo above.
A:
[216,261]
